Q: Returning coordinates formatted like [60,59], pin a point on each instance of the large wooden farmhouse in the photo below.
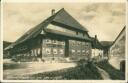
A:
[59,37]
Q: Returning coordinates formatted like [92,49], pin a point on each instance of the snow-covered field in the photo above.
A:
[33,68]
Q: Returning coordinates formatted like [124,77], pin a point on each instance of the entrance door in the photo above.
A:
[122,66]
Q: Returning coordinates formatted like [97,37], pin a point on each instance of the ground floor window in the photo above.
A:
[55,51]
[61,51]
[48,50]
[83,51]
[78,51]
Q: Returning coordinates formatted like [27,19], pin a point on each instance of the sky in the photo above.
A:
[105,20]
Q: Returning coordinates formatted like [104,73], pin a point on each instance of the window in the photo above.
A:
[32,53]
[55,41]
[54,51]
[48,41]
[38,51]
[61,51]
[73,51]
[83,43]
[79,43]
[18,54]
[42,32]
[63,43]
[83,34]
[48,50]
[27,54]
[83,50]
[87,45]
[35,52]
[43,50]
[78,50]
[73,43]
[87,52]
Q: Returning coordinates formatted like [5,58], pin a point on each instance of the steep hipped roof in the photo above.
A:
[66,19]
[61,17]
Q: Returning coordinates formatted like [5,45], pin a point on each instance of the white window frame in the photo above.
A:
[61,51]
[48,41]
[73,50]
[63,43]
[83,51]
[55,51]
[55,41]
[48,50]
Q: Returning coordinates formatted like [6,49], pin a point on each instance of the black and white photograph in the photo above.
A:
[64,41]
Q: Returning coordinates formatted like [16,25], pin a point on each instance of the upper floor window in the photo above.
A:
[73,43]
[79,43]
[83,50]
[48,41]
[63,43]
[73,51]
[55,41]
[48,50]
[83,43]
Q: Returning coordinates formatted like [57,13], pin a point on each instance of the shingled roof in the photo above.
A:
[66,19]
[60,17]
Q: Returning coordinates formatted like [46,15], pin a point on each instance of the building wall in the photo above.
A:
[117,51]
[97,54]
[50,47]
[79,50]
[53,48]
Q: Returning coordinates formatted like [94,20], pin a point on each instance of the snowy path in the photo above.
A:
[103,73]
[34,68]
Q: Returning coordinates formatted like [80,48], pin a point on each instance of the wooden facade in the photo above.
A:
[55,39]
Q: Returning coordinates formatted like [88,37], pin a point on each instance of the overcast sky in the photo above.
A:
[105,20]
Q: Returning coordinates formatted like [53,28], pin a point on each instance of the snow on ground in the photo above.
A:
[103,73]
[115,62]
[35,67]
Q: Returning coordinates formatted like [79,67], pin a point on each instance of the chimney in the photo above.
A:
[95,36]
[53,11]
[95,39]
